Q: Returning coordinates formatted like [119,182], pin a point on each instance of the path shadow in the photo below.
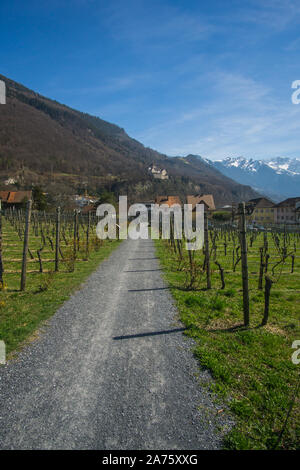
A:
[186,288]
[152,333]
[233,329]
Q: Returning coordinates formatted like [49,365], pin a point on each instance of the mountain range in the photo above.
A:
[278,178]
[65,151]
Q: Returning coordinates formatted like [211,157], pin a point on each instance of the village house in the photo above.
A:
[261,211]
[286,211]
[81,201]
[157,172]
[298,212]
[206,199]
[168,200]
[14,199]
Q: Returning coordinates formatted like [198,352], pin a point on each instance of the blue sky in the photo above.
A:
[182,76]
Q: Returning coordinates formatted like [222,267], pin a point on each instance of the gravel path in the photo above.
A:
[111,370]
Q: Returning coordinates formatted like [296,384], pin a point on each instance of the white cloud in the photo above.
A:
[242,117]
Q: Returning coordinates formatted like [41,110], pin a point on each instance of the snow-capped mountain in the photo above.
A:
[277,178]
[288,165]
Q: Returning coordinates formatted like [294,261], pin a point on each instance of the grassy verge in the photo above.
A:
[21,313]
[252,368]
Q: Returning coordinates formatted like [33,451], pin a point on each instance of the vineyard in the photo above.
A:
[44,256]
[241,306]
[239,298]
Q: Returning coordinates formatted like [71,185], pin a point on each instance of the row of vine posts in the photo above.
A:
[50,229]
[239,255]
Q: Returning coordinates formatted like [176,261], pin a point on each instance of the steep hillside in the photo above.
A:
[65,150]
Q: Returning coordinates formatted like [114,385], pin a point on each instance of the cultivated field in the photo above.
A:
[251,365]
[55,267]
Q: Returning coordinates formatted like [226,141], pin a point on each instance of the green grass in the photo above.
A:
[252,368]
[21,313]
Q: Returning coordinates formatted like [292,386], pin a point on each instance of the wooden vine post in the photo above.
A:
[244,258]
[268,287]
[88,235]
[75,232]
[261,269]
[206,246]
[25,244]
[57,236]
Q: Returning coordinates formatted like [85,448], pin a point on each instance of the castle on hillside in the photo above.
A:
[158,173]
